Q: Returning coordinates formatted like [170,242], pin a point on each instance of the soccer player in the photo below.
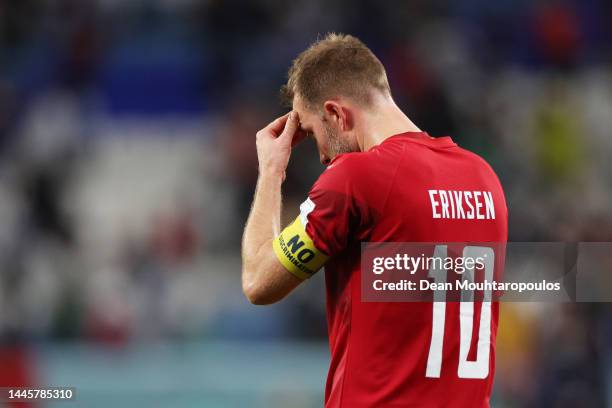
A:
[385,181]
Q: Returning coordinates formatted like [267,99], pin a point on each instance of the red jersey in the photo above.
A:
[409,188]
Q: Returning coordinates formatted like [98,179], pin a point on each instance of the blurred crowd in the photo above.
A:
[127,162]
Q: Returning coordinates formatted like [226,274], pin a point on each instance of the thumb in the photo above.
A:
[290,129]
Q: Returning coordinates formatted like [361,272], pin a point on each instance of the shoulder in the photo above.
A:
[480,162]
[350,162]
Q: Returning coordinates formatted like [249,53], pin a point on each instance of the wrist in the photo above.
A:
[270,173]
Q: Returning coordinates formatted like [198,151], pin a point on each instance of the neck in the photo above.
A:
[384,121]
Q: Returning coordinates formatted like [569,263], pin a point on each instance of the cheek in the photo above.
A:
[321,144]
[321,137]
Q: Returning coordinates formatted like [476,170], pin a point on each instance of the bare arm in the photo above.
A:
[264,279]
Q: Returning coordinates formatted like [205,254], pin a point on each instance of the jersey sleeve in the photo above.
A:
[327,221]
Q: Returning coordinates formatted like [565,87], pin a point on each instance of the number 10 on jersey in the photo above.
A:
[465,369]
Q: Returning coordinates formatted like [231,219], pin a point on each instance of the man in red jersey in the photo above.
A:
[385,181]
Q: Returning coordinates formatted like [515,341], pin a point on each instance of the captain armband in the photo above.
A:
[296,251]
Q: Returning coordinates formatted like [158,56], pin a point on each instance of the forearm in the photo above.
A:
[263,225]
[264,279]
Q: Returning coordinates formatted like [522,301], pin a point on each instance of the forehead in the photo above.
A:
[298,104]
[306,114]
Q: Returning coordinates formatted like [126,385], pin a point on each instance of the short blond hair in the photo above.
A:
[337,65]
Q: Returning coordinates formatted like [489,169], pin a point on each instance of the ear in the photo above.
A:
[336,112]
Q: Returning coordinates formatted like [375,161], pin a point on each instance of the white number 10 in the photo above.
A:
[466,369]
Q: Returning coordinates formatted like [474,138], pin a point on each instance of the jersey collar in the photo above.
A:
[423,138]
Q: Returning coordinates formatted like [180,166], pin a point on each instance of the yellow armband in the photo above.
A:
[296,251]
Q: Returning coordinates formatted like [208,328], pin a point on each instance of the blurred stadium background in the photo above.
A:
[127,167]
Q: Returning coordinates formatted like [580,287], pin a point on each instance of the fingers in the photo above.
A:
[291,126]
[278,124]
[286,128]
